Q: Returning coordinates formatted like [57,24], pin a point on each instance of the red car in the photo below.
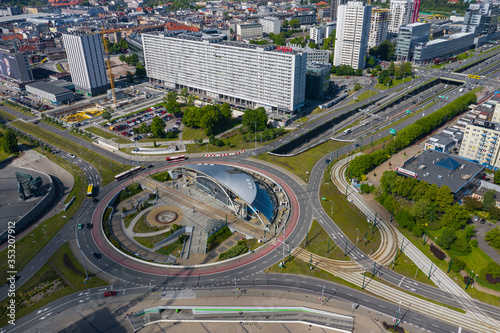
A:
[110,293]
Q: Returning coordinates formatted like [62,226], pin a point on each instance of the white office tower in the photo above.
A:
[400,14]
[379,23]
[353,25]
[85,55]
[245,74]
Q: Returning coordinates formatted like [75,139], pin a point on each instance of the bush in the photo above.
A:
[466,279]
[240,248]
[457,265]
[405,219]
[473,242]
[417,230]
[491,279]
[397,329]
[437,252]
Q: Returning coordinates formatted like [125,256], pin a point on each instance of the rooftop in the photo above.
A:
[441,169]
[49,88]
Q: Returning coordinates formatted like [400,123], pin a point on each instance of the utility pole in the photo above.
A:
[255,154]
[322,295]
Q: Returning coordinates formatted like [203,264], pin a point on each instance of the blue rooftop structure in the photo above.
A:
[448,163]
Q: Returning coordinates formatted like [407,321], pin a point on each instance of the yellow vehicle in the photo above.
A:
[44,60]
[90,190]
[475,77]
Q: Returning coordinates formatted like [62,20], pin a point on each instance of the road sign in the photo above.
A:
[392,131]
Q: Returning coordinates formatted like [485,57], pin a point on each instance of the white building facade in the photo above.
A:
[245,74]
[251,30]
[85,55]
[270,25]
[353,27]
[400,14]
[379,23]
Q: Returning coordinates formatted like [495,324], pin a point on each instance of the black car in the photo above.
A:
[482,221]
[150,166]
[89,225]
[97,256]
[95,200]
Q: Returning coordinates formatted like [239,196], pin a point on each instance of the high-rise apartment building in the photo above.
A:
[481,144]
[245,74]
[400,14]
[379,24]
[334,8]
[353,25]
[250,30]
[270,25]
[85,53]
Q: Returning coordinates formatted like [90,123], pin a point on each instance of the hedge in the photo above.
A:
[362,164]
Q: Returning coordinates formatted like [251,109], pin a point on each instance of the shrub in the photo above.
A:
[240,248]
[457,265]
[437,252]
[473,242]
[491,279]
[417,230]
[466,279]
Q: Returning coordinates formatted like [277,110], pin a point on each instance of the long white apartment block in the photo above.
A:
[379,24]
[85,53]
[245,74]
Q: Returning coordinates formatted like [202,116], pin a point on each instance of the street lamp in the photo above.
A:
[255,154]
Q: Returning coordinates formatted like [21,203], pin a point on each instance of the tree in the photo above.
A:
[285,24]
[144,128]
[472,204]
[374,72]
[171,103]
[493,238]
[398,74]
[9,142]
[134,59]
[185,95]
[422,210]
[256,117]
[405,219]
[295,23]
[446,238]
[130,76]
[455,217]
[387,81]
[106,115]
[357,87]
[496,178]
[461,244]
[358,72]
[122,58]
[371,61]
[489,200]
[391,68]
[158,127]
[385,51]
[494,213]
[407,68]
[140,72]
[313,45]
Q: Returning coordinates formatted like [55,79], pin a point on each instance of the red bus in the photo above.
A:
[176,158]
[128,173]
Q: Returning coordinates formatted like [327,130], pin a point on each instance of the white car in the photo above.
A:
[71,155]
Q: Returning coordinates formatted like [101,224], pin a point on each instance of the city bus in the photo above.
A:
[90,190]
[176,158]
[128,173]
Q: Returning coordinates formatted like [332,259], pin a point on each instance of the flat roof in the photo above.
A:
[240,183]
[441,169]
[49,88]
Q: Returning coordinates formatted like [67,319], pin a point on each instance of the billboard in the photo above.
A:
[8,66]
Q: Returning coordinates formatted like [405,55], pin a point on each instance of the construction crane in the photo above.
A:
[108,64]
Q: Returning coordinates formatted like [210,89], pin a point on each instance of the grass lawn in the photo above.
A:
[106,135]
[15,108]
[443,265]
[62,265]
[394,83]
[78,135]
[189,133]
[301,120]
[303,163]
[109,167]
[297,266]
[4,155]
[173,248]
[7,115]
[149,241]
[127,219]
[318,243]
[162,176]
[348,218]
[53,123]
[28,246]
[406,267]
[141,226]
[366,94]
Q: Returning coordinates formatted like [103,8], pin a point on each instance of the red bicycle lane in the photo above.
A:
[159,269]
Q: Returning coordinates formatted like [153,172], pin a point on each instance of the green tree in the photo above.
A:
[255,117]
[398,74]
[461,244]
[140,72]
[493,238]
[371,61]
[455,217]
[387,81]
[158,127]
[295,23]
[472,204]
[385,51]
[391,68]
[407,68]
[171,103]
[130,76]
[494,213]
[489,200]
[185,95]
[106,115]
[144,128]
[9,142]
[285,24]
[134,59]
[422,210]
[357,87]
[122,58]
[446,238]
[374,72]
[405,219]
[358,72]
[496,177]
